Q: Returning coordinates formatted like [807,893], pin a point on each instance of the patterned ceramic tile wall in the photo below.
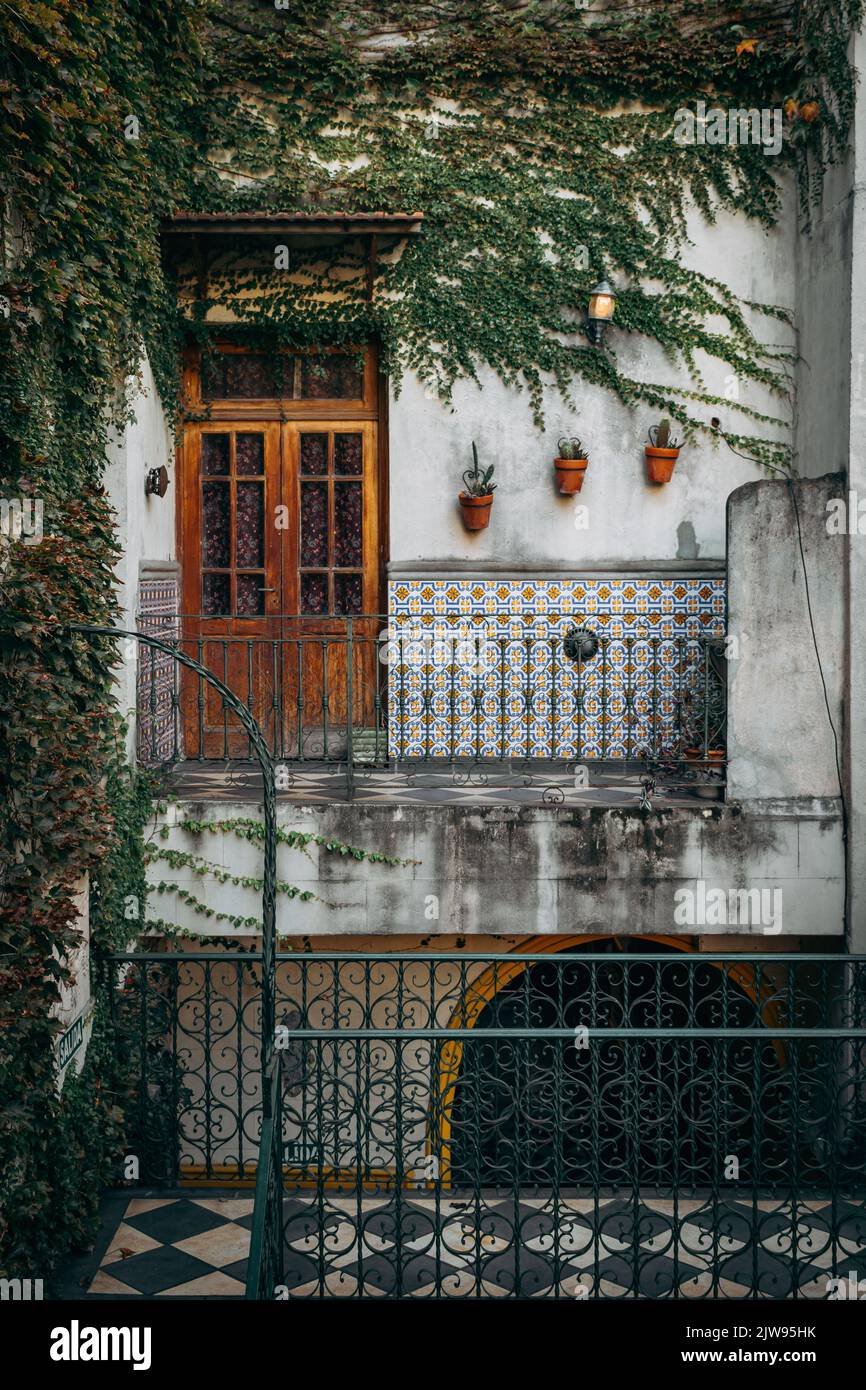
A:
[477,667]
[158,607]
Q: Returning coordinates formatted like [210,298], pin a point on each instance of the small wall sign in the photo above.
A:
[69,1042]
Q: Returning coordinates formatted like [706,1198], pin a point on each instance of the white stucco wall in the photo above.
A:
[630,522]
[145,524]
[825,368]
[527,870]
[831,437]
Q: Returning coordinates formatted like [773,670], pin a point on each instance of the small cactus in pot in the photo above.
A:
[570,464]
[662,452]
[476,499]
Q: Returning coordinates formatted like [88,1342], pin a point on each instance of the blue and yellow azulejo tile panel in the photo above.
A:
[485,668]
[158,607]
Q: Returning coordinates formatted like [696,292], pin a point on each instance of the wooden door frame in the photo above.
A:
[376,408]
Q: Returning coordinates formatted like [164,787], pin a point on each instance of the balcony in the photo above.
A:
[536,779]
[380,708]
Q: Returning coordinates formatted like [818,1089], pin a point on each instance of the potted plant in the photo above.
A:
[693,752]
[477,496]
[703,711]
[662,452]
[570,465]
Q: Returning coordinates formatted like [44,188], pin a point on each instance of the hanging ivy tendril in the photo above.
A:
[539,142]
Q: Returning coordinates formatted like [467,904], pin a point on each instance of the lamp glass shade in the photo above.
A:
[602,302]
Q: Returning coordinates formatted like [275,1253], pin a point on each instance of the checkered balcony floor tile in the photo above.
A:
[197,1247]
[553,784]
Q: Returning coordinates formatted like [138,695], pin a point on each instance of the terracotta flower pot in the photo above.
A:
[660,463]
[714,755]
[476,510]
[569,475]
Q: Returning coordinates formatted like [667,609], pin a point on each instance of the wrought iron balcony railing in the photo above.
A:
[368,690]
[456,1125]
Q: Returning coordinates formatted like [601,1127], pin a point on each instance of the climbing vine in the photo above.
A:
[539,141]
[252,831]
[80,283]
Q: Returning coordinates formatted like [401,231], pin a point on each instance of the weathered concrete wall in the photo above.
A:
[145,524]
[629,521]
[510,870]
[780,743]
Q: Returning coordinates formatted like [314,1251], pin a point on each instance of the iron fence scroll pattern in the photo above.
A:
[587,1124]
[169,649]
[385,690]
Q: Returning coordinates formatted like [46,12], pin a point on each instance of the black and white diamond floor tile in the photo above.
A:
[542,785]
[177,1247]
[197,1246]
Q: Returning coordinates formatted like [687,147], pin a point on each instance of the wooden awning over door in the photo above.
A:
[371,225]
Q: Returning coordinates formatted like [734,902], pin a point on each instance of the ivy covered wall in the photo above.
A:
[541,143]
[544,145]
[81,283]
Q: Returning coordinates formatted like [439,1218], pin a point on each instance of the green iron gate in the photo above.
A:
[586,1124]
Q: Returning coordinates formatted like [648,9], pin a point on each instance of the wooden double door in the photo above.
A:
[281,562]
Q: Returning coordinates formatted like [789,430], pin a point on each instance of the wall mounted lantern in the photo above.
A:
[602,302]
[156,482]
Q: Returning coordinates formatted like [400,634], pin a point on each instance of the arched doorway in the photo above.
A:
[524,1109]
